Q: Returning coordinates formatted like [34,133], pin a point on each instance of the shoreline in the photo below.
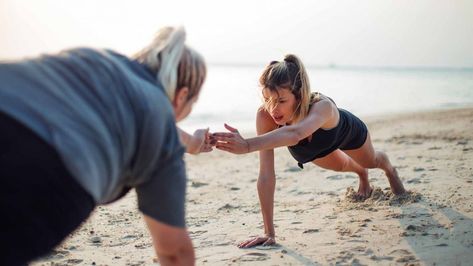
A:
[315,220]
[245,129]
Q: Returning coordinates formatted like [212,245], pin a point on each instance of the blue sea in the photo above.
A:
[231,94]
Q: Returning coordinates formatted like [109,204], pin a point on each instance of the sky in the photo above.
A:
[373,33]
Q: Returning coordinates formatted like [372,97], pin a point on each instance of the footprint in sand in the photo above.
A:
[335,177]
[293,169]
[413,181]
[403,255]
[198,184]
[310,231]
[252,256]
[418,169]
[227,207]
[275,246]
[96,240]
[73,261]
[378,258]
[57,254]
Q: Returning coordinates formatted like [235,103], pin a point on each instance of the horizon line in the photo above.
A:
[352,67]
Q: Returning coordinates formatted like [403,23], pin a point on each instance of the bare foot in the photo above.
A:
[364,189]
[395,182]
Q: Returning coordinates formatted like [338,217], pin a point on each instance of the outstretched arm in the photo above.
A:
[321,113]
[200,141]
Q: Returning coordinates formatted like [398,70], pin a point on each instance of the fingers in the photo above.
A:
[229,128]
[212,141]
[244,243]
[206,148]
[224,148]
[224,140]
[269,242]
[223,134]
[250,243]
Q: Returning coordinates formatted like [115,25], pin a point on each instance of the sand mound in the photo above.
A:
[379,197]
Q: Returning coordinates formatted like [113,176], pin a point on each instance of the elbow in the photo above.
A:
[182,254]
[180,257]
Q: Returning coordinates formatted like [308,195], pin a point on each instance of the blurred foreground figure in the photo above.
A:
[83,127]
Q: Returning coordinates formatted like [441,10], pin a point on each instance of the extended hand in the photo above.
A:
[209,142]
[259,240]
[203,140]
[231,141]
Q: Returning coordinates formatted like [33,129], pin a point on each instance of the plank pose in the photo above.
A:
[313,128]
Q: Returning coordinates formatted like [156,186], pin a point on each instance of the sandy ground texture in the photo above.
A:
[317,218]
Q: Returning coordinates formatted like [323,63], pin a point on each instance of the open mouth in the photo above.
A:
[277,118]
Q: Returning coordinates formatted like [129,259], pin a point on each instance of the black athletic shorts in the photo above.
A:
[40,202]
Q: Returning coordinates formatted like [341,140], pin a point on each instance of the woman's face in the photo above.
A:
[282,105]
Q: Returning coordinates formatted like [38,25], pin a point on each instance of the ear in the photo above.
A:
[180,98]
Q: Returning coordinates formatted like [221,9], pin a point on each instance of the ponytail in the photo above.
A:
[290,74]
[174,64]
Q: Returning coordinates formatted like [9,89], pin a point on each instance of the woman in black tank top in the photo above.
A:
[313,128]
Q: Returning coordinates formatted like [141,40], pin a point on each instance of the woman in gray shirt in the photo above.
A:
[84,126]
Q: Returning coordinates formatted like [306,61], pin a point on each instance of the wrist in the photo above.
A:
[247,146]
[194,145]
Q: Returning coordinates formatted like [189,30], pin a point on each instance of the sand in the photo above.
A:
[317,218]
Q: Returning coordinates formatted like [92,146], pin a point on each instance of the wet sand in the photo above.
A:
[317,218]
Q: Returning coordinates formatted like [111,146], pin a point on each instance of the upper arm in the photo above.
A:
[320,114]
[162,197]
[184,137]
[264,124]
[161,175]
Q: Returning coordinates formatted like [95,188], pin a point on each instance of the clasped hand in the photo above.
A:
[231,141]
[203,141]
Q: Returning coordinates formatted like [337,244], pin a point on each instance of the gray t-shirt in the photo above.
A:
[112,125]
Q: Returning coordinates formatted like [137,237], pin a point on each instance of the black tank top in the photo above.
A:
[323,141]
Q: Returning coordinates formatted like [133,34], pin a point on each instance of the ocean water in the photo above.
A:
[231,94]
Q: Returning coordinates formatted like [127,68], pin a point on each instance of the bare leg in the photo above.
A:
[341,162]
[366,156]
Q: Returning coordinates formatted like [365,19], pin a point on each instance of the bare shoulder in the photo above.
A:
[323,106]
[326,109]
[264,121]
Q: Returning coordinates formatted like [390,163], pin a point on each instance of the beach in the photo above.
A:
[317,220]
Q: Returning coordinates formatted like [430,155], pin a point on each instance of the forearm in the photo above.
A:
[286,136]
[192,144]
[266,186]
